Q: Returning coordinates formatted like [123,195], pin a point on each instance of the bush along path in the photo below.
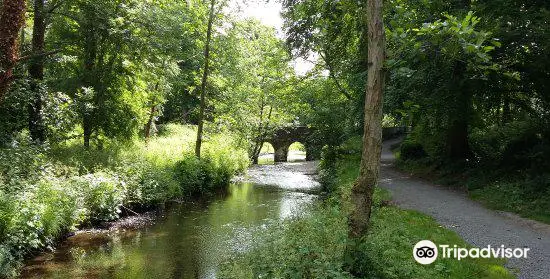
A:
[476,224]
[45,194]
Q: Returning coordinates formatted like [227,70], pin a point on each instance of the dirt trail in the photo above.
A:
[476,224]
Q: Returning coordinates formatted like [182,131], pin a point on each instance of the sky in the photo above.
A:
[269,14]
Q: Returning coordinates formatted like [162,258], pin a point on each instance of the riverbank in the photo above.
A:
[48,192]
[313,246]
[188,239]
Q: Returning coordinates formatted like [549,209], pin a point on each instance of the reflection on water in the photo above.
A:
[188,240]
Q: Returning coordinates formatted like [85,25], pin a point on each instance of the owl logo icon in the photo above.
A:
[425,252]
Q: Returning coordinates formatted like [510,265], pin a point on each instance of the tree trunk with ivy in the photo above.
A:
[363,189]
[36,72]
[12,15]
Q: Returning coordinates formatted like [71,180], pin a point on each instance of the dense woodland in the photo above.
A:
[100,99]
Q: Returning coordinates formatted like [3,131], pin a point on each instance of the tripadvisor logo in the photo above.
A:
[426,252]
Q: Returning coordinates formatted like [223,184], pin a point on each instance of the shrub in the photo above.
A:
[327,168]
[34,218]
[519,145]
[9,263]
[189,174]
[103,195]
[147,184]
[412,150]
[22,162]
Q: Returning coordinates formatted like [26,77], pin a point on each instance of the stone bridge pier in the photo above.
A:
[283,138]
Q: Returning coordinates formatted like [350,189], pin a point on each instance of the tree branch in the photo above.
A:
[37,55]
[334,78]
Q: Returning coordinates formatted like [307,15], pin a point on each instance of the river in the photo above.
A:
[186,240]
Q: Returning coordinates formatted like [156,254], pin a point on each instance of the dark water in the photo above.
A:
[187,240]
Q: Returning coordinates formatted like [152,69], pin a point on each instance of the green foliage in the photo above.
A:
[516,146]
[13,111]
[215,168]
[328,169]
[386,250]
[148,183]
[444,61]
[529,197]
[35,217]
[254,82]
[309,247]
[22,161]
[507,172]
[104,195]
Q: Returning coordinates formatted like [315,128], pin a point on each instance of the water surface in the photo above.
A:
[187,240]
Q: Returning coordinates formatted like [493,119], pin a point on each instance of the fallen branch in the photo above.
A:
[135,213]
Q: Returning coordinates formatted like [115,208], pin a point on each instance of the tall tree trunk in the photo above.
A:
[363,189]
[150,123]
[457,137]
[12,18]
[87,127]
[204,80]
[36,72]
[261,137]
[90,74]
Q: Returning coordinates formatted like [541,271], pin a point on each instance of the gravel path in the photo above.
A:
[476,224]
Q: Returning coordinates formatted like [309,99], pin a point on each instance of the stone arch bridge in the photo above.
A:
[282,138]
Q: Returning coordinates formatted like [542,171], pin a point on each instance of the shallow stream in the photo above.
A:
[186,240]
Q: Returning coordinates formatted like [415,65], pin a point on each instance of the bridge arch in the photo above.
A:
[296,152]
[284,137]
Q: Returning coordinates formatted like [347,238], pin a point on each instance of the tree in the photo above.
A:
[453,54]
[363,189]
[255,84]
[12,17]
[334,32]
[110,61]
[204,79]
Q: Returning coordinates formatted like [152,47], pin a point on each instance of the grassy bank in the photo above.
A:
[313,246]
[46,192]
